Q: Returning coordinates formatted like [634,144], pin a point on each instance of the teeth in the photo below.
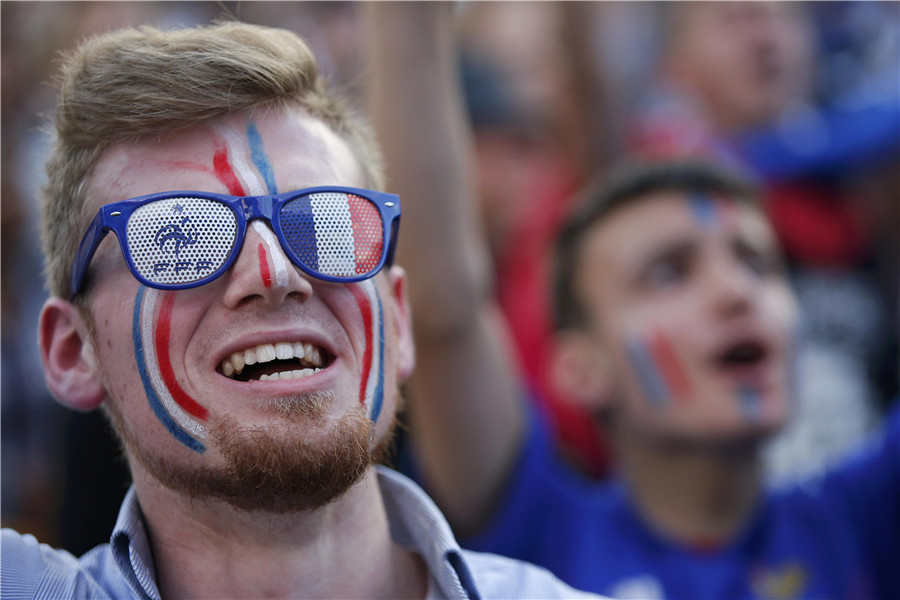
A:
[310,355]
[283,375]
[265,353]
[283,351]
[237,359]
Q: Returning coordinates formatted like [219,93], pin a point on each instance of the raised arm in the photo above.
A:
[466,411]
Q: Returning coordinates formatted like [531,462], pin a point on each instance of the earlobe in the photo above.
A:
[406,353]
[67,353]
[579,370]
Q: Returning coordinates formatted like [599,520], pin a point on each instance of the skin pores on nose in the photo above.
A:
[371,389]
[176,410]
[658,370]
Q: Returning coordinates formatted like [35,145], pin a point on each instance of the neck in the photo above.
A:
[208,549]
[697,495]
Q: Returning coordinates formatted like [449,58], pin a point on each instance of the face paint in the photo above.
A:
[226,174]
[371,389]
[647,373]
[259,158]
[704,210]
[254,174]
[264,266]
[670,367]
[749,400]
[178,412]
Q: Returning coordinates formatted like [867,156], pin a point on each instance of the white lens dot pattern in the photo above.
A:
[336,234]
[180,240]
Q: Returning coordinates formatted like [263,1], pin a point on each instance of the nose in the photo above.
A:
[262,271]
[733,287]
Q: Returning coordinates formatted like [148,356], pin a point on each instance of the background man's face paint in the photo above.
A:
[658,369]
[371,388]
[181,415]
[710,211]
[251,174]
[750,399]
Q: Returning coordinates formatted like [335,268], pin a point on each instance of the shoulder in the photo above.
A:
[501,577]
[29,569]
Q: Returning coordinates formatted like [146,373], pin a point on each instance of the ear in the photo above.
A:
[70,367]
[580,370]
[402,319]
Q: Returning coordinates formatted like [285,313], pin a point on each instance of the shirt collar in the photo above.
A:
[415,523]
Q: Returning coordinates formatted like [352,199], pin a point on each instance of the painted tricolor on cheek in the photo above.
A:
[181,415]
[371,388]
[658,369]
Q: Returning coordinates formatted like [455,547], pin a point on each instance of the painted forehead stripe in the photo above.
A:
[703,208]
[256,176]
[163,406]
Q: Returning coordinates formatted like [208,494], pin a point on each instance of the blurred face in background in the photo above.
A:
[745,60]
[693,317]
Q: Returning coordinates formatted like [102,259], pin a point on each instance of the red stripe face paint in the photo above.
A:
[264,266]
[225,172]
[371,389]
[161,338]
[673,374]
[149,339]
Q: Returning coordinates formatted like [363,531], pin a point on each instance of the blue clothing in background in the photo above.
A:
[837,537]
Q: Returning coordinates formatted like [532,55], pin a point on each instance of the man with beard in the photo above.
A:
[246,336]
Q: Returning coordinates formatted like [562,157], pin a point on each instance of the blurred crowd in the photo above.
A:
[804,97]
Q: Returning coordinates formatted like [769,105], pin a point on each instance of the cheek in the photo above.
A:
[181,415]
[657,367]
[371,387]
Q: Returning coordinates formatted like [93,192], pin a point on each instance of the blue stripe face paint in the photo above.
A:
[750,401]
[155,403]
[259,158]
[378,395]
[648,374]
[704,210]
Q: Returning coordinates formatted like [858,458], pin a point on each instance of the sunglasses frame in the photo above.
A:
[114,217]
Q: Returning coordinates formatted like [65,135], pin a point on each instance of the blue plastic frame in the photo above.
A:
[114,217]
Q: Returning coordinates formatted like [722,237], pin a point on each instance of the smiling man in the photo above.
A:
[243,327]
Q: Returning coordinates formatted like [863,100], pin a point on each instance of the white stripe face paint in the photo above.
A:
[152,363]
[253,183]
[374,378]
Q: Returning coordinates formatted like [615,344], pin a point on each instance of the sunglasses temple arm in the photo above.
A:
[89,243]
[392,241]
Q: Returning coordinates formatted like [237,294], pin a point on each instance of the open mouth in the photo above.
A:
[276,362]
[742,355]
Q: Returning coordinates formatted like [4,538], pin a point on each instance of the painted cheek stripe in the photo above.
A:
[371,391]
[672,373]
[163,406]
[648,375]
[163,330]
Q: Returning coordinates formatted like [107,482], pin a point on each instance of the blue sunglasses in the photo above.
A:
[185,239]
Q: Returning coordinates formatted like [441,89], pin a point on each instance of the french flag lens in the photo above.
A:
[334,233]
[180,240]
